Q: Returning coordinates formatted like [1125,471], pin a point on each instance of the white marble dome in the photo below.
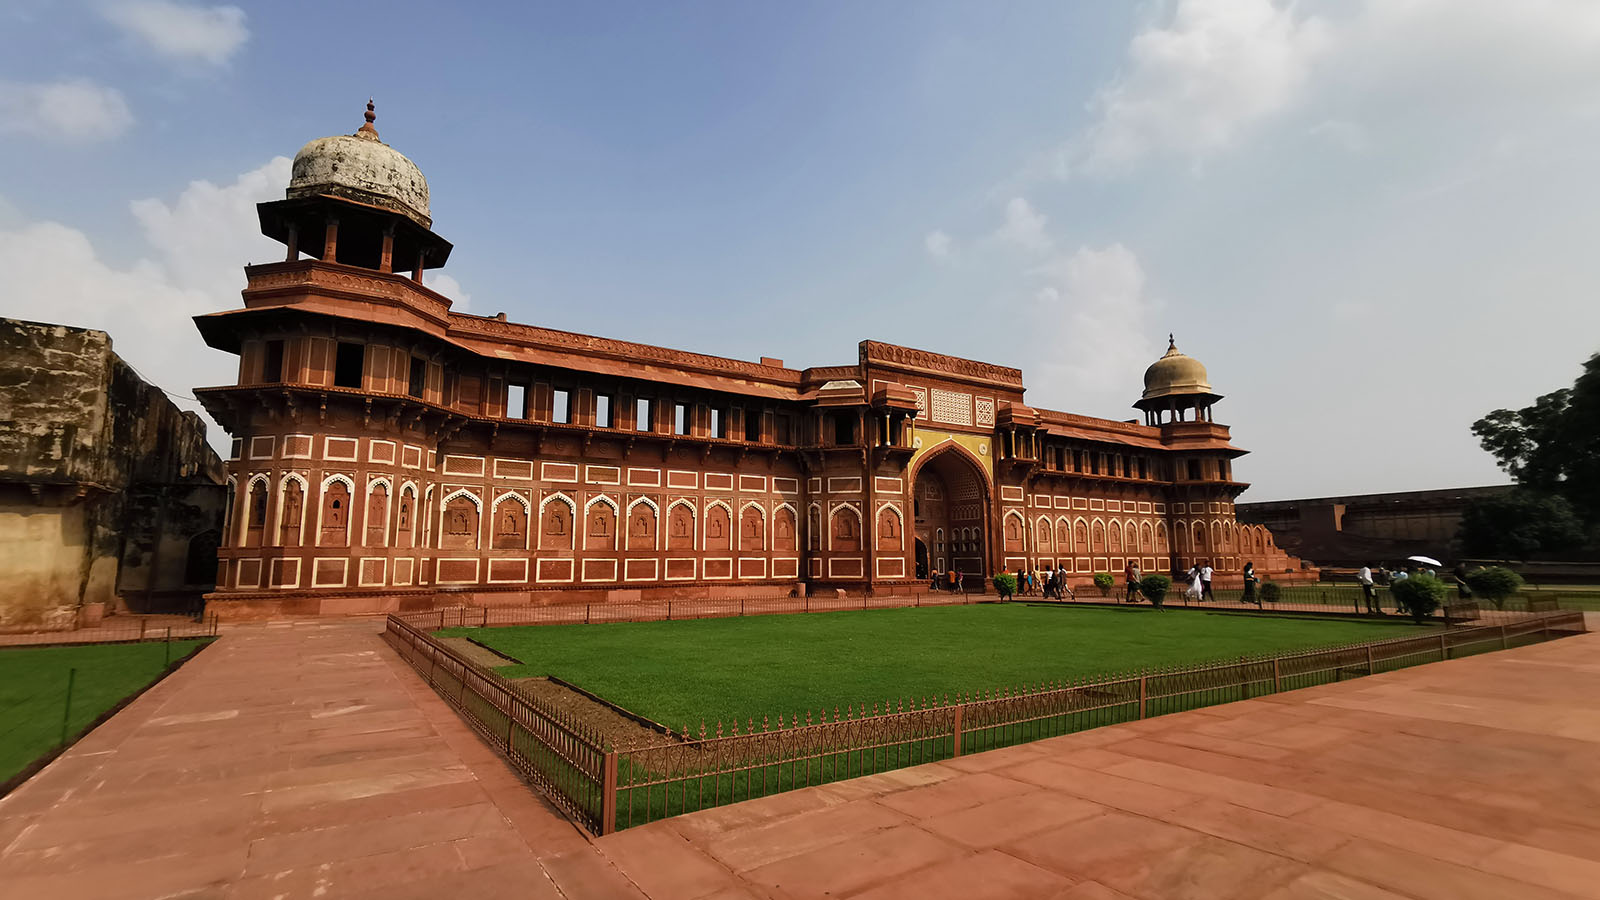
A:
[362,168]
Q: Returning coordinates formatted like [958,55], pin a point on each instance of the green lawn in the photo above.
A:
[684,672]
[33,689]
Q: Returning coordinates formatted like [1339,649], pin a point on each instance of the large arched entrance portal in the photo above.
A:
[950,497]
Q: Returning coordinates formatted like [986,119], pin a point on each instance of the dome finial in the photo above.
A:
[368,129]
[1172,343]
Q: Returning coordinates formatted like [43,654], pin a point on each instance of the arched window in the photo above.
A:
[1042,535]
[1080,534]
[845,529]
[680,526]
[1161,538]
[1013,532]
[511,522]
[1099,543]
[405,526]
[1063,536]
[377,514]
[641,525]
[1147,542]
[1114,537]
[256,522]
[719,528]
[600,530]
[752,528]
[889,536]
[458,529]
[783,529]
[335,531]
[556,513]
[291,513]
[1180,539]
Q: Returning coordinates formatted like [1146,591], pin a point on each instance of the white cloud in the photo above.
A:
[1192,86]
[1213,71]
[75,110]
[181,31]
[197,246]
[460,300]
[1095,318]
[937,244]
[1348,135]
[1024,226]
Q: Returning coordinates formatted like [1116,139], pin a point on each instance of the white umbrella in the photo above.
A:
[1425,560]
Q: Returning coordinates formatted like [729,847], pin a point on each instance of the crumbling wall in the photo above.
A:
[97,467]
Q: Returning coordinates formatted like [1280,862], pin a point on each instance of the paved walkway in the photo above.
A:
[306,761]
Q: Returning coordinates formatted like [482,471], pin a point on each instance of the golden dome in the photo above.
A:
[1175,374]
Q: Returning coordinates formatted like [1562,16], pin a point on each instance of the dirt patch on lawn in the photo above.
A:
[477,653]
[573,705]
[611,725]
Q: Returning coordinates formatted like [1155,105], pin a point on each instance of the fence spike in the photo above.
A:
[764,725]
[719,728]
[835,712]
[750,726]
[702,729]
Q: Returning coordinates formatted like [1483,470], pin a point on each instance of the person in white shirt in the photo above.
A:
[1369,591]
[1205,582]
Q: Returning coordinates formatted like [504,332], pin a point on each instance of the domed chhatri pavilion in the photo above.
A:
[391,453]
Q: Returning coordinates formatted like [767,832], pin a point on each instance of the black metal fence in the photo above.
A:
[604,788]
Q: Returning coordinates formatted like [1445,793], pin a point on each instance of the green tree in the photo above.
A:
[1005,584]
[1154,587]
[1553,446]
[1419,595]
[1519,525]
[1494,583]
[1103,581]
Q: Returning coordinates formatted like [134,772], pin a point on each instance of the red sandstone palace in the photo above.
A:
[392,454]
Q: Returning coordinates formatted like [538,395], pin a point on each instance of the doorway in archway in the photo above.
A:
[949,500]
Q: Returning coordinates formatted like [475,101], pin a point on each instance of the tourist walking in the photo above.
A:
[1205,582]
[1369,590]
[1130,574]
[1194,590]
[1459,573]
[1250,581]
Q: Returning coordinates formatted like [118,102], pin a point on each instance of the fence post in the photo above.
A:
[956,728]
[1444,652]
[1502,636]
[608,794]
[142,624]
[168,661]
[1143,694]
[741,606]
[1277,676]
[669,609]
[1370,669]
[1544,627]
[66,711]
[441,620]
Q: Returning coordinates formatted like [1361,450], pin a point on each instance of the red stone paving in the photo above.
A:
[307,761]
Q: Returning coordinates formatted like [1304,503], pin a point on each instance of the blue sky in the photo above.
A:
[1370,220]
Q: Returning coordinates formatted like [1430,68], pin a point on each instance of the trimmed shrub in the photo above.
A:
[1270,592]
[1419,595]
[1104,581]
[1006,584]
[1154,587]
[1494,583]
